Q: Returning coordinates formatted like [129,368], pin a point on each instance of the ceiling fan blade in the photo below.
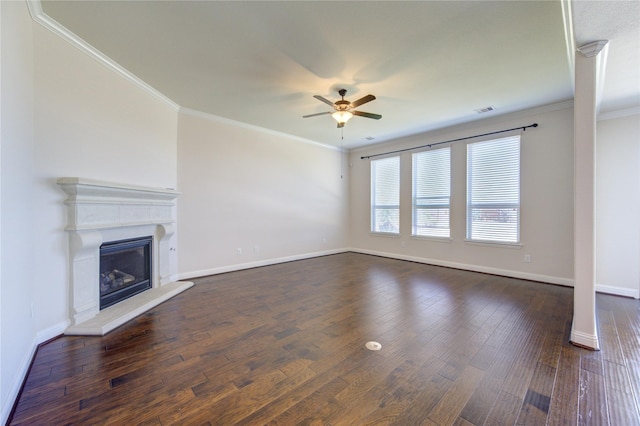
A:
[340,125]
[325,100]
[361,101]
[313,115]
[367,115]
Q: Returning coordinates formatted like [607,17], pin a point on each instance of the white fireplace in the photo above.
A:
[102,212]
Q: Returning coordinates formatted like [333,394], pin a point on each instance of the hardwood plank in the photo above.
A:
[609,339]
[462,422]
[505,411]
[633,368]
[393,405]
[425,401]
[522,370]
[482,400]
[454,400]
[376,403]
[553,342]
[621,403]
[593,408]
[310,404]
[304,382]
[361,380]
[537,400]
[629,336]
[564,399]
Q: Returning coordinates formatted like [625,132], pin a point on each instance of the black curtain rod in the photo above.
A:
[524,128]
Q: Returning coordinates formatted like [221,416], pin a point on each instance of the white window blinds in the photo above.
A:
[385,195]
[493,190]
[431,192]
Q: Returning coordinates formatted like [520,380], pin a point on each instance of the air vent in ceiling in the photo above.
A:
[483,110]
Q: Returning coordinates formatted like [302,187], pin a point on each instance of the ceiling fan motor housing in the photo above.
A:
[342,105]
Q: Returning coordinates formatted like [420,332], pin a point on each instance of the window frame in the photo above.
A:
[374,208]
[495,207]
[415,206]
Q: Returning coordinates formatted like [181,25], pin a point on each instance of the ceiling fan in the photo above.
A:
[343,110]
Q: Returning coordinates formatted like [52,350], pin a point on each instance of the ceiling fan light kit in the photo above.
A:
[344,110]
[342,116]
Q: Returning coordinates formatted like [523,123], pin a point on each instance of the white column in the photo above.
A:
[587,83]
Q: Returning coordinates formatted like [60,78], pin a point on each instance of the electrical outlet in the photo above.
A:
[256,249]
[239,251]
[527,258]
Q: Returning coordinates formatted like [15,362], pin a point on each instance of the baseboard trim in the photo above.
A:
[19,381]
[618,291]
[50,333]
[257,264]
[567,282]
[584,340]
[18,384]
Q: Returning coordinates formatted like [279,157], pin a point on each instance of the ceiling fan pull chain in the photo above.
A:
[341,152]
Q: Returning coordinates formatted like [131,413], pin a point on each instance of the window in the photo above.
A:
[385,195]
[493,190]
[431,192]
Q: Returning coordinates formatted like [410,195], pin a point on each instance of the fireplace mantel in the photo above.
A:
[94,204]
[99,212]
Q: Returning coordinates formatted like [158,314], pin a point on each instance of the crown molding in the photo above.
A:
[592,49]
[38,15]
[621,113]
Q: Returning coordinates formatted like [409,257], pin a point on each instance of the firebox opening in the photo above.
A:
[125,269]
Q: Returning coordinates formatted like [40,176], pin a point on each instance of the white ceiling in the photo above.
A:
[429,63]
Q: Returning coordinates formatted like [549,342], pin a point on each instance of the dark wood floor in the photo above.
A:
[285,345]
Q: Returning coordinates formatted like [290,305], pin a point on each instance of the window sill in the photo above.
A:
[493,244]
[436,239]
[384,234]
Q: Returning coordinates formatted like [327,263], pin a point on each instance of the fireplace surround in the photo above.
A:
[103,212]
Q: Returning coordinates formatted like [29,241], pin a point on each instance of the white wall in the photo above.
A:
[17,170]
[274,197]
[618,206]
[546,197]
[64,114]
